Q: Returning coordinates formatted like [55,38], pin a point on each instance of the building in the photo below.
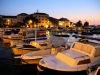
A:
[53,21]
[63,22]
[21,16]
[72,24]
[9,20]
[43,18]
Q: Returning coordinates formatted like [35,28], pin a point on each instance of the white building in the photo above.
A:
[43,18]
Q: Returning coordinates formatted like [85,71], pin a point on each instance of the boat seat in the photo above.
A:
[28,46]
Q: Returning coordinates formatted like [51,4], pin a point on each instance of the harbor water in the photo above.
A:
[11,66]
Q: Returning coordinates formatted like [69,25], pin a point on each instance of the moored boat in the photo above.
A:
[50,46]
[78,58]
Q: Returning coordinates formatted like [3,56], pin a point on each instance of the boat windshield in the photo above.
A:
[44,44]
[86,49]
[82,48]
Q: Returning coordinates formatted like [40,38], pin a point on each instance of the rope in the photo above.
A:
[39,69]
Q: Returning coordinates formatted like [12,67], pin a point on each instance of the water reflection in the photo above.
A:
[5,54]
[6,45]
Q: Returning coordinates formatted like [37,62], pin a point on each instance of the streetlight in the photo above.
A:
[8,21]
[30,22]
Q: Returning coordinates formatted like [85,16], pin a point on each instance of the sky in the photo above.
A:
[73,10]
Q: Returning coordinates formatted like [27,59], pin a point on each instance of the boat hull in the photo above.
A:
[19,51]
[45,70]
[30,61]
[6,40]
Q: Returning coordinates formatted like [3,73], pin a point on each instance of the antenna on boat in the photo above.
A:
[36,33]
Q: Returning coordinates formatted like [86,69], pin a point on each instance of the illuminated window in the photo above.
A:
[61,23]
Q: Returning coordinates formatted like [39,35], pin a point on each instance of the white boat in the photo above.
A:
[96,72]
[79,57]
[46,49]
[5,36]
[33,57]
[17,36]
[8,38]
[25,48]
[27,36]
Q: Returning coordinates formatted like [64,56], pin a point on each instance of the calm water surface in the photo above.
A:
[11,66]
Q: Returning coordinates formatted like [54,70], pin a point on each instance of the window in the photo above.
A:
[76,46]
[97,53]
[89,49]
[86,49]
[86,61]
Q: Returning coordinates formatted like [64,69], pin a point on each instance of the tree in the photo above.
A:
[79,24]
[0,22]
[54,21]
[19,24]
[33,19]
[86,24]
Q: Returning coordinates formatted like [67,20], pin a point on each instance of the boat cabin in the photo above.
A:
[79,54]
[41,44]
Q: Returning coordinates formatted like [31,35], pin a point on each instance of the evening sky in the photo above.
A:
[74,10]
